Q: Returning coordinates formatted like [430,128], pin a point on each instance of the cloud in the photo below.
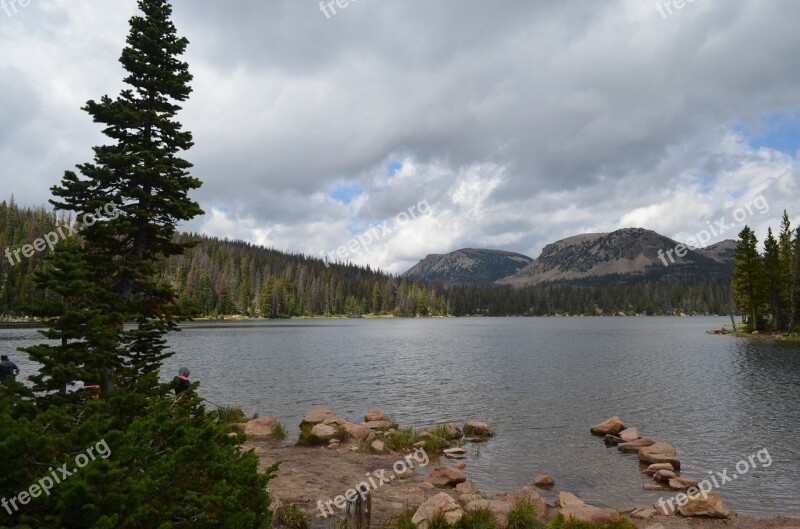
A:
[519,123]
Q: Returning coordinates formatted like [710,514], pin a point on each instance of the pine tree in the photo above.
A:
[786,257]
[748,276]
[142,174]
[772,281]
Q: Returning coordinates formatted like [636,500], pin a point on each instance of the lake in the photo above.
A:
[540,382]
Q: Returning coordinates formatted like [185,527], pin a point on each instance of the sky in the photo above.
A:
[387,130]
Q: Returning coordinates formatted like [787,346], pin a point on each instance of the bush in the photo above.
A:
[477,519]
[292,517]
[401,520]
[279,432]
[524,516]
[560,523]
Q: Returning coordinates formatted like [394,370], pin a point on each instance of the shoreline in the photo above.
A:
[312,476]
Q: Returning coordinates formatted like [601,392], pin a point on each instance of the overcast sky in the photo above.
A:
[506,124]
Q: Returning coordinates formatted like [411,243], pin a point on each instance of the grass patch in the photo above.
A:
[477,519]
[441,431]
[439,522]
[524,516]
[308,439]
[560,523]
[228,415]
[292,517]
[401,520]
[279,432]
[401,440]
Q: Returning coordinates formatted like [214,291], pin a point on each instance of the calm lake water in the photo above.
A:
[540,383]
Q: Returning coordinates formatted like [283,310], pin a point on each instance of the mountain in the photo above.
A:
[624,256]
[467,266]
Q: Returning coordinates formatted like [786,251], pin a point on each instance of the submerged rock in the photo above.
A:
[477,429]
[544,481]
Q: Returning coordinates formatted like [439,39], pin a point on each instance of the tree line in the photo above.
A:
[765,285]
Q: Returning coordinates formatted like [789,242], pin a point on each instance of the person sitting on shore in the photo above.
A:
[182,382]
[8,370]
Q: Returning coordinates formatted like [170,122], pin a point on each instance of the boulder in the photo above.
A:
[660,453]
[455,453]
[664,476]
[324,432]
[708,506]
[567,499]
[530,495]
[379,425]
[612,426]
[467,487]
[260,427]
[446,477]
[664,508]
[356,431]
[544,481]
[498,508]
[612,440]
[643,513]
[652,469]
[477,429]
[442,504]
[633,447]
[453,431]
[378,446]
[467,498]
[318,415]
[629,434]
[682,483]
[375,415]
[592,515]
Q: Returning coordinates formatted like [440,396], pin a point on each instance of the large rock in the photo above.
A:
[652,469]
[592,515]
[379,425]
[378,446]
[629,434]
[612,426]
[318,415]
[660,453]
[682,483]
[477,429]
[375,415]
[260,427]
[663,476]
[323,431]
[633,447]
[467,487]
[453,431]
[356,431]
[446,477]
[442,504]
[708,506]
[529,495]
[567,499]
[544,481]
[498,508]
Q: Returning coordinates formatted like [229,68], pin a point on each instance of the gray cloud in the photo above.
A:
[522,122]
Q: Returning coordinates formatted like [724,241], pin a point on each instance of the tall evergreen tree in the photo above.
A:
[747,276]
[772,281]
[142,174]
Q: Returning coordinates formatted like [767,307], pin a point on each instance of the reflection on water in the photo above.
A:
[540,382]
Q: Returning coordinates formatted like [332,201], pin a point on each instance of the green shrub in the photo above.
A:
[560,523]
[524,516]
[401,520]
[401,440]
[228,415]
[292,517]
[477,519]
[439,522]
[279,432]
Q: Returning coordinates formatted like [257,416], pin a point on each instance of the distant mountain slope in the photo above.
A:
[622,256]
[467,266]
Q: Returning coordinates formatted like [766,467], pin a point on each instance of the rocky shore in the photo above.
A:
[428,471]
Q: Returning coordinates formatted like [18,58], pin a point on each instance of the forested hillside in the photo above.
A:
[220,277]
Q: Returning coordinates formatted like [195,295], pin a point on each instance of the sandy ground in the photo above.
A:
[310,475]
